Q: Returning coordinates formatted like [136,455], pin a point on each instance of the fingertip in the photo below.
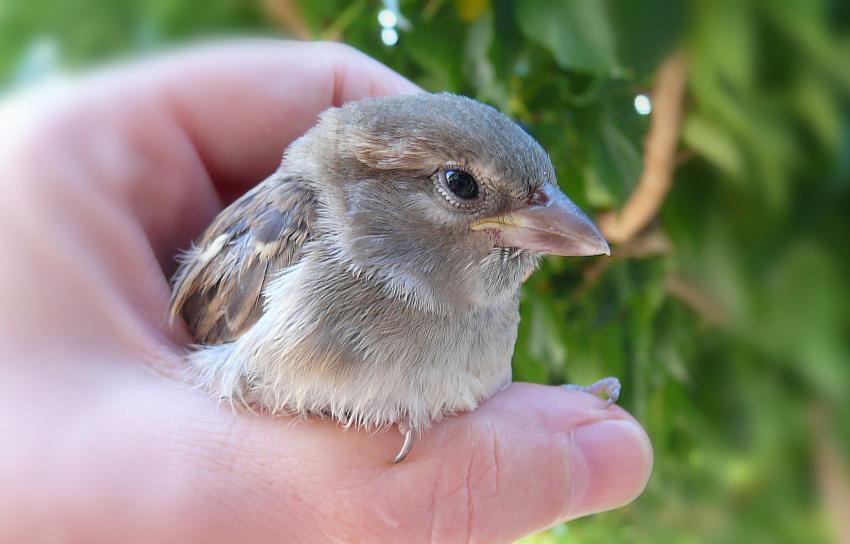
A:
[610,464]
[608,454]
[358,76]
[553,455]
[241,103]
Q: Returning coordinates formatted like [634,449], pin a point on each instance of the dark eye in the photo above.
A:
[461,184]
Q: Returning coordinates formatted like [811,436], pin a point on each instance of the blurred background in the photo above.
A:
[711,141]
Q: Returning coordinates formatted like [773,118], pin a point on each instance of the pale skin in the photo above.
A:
[103,180]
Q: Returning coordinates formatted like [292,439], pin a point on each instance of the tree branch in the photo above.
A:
[659,156]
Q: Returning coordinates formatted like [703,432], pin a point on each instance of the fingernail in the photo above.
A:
[611,461]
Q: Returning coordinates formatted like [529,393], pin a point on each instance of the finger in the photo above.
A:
[241,105]
[530,457]
[165,138]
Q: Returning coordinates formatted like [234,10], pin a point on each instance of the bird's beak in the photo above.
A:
[550,223]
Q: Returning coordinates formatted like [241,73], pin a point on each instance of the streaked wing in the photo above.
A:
[218,288]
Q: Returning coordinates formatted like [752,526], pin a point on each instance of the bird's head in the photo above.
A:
[442,197]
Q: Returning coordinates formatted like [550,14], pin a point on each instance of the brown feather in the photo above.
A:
[219,287]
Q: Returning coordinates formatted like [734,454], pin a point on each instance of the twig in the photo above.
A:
[646,245]
[287,14]
[833,475]
[684,157]
[431,9]
[346,18]
[693,296]
[659,156]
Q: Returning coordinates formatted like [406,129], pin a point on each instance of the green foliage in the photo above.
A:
[577,33]
[757,218]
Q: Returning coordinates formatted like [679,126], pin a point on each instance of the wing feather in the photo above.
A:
[219,286]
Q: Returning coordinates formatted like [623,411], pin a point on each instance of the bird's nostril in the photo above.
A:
[539,197]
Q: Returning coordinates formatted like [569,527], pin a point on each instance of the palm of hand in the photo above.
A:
[104,181]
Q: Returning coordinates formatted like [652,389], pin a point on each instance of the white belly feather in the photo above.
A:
[362,359]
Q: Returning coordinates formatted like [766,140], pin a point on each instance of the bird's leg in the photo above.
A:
[609,386]
[408,432]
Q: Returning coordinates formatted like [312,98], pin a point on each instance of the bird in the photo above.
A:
[374,278]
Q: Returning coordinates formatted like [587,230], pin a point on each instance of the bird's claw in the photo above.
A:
[407,431]
[609,386]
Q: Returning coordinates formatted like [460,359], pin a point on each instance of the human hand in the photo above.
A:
[103,179]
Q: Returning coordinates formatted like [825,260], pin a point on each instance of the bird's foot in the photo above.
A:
[609,386]
[408,433]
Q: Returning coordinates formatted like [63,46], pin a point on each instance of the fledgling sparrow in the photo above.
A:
[375,277]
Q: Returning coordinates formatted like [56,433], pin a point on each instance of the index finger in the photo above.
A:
[169,139]
[241,105]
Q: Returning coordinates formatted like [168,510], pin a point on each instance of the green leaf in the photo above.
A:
[436,46]
[576,32]
[711,141]
[612,151]
[645,31]
[478,67]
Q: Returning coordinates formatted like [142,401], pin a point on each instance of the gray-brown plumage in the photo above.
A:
[219,288]
[374,278]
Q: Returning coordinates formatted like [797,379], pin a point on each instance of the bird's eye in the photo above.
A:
[461,184]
